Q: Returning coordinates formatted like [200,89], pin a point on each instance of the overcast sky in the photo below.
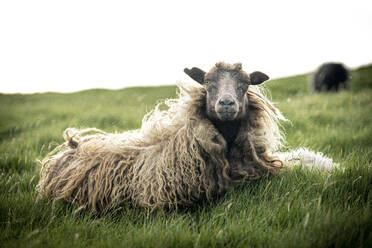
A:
[67,46]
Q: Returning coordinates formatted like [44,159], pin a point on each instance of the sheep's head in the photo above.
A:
[226,87]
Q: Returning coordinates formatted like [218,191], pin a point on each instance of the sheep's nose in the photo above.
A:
[226,101]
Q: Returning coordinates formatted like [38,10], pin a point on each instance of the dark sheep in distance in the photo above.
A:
[330,77]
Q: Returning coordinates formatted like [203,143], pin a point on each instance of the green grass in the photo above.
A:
[298,208]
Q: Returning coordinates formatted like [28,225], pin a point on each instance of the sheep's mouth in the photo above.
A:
[226,115]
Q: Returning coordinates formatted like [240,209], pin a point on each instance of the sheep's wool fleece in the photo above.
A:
[176,158]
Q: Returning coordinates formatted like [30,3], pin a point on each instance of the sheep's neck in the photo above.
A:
[228,129]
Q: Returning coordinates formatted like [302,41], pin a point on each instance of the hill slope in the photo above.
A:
[298,208]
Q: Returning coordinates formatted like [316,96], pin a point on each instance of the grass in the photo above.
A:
[298,208]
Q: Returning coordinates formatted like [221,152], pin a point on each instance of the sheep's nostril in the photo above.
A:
[226,101]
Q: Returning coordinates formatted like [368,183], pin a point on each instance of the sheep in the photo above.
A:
[217,134]
[330,77]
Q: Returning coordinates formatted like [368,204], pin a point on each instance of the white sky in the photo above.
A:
[72,45]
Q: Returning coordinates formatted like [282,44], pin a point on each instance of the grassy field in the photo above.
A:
[298,208]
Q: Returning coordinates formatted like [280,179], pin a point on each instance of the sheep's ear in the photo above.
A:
[196,74]
[258,77]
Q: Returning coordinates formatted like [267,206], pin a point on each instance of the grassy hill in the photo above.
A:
[298,208]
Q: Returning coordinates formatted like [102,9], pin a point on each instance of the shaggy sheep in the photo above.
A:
[216,135]
[330,77]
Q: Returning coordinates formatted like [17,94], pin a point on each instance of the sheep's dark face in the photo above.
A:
[226,98]
[226,87]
